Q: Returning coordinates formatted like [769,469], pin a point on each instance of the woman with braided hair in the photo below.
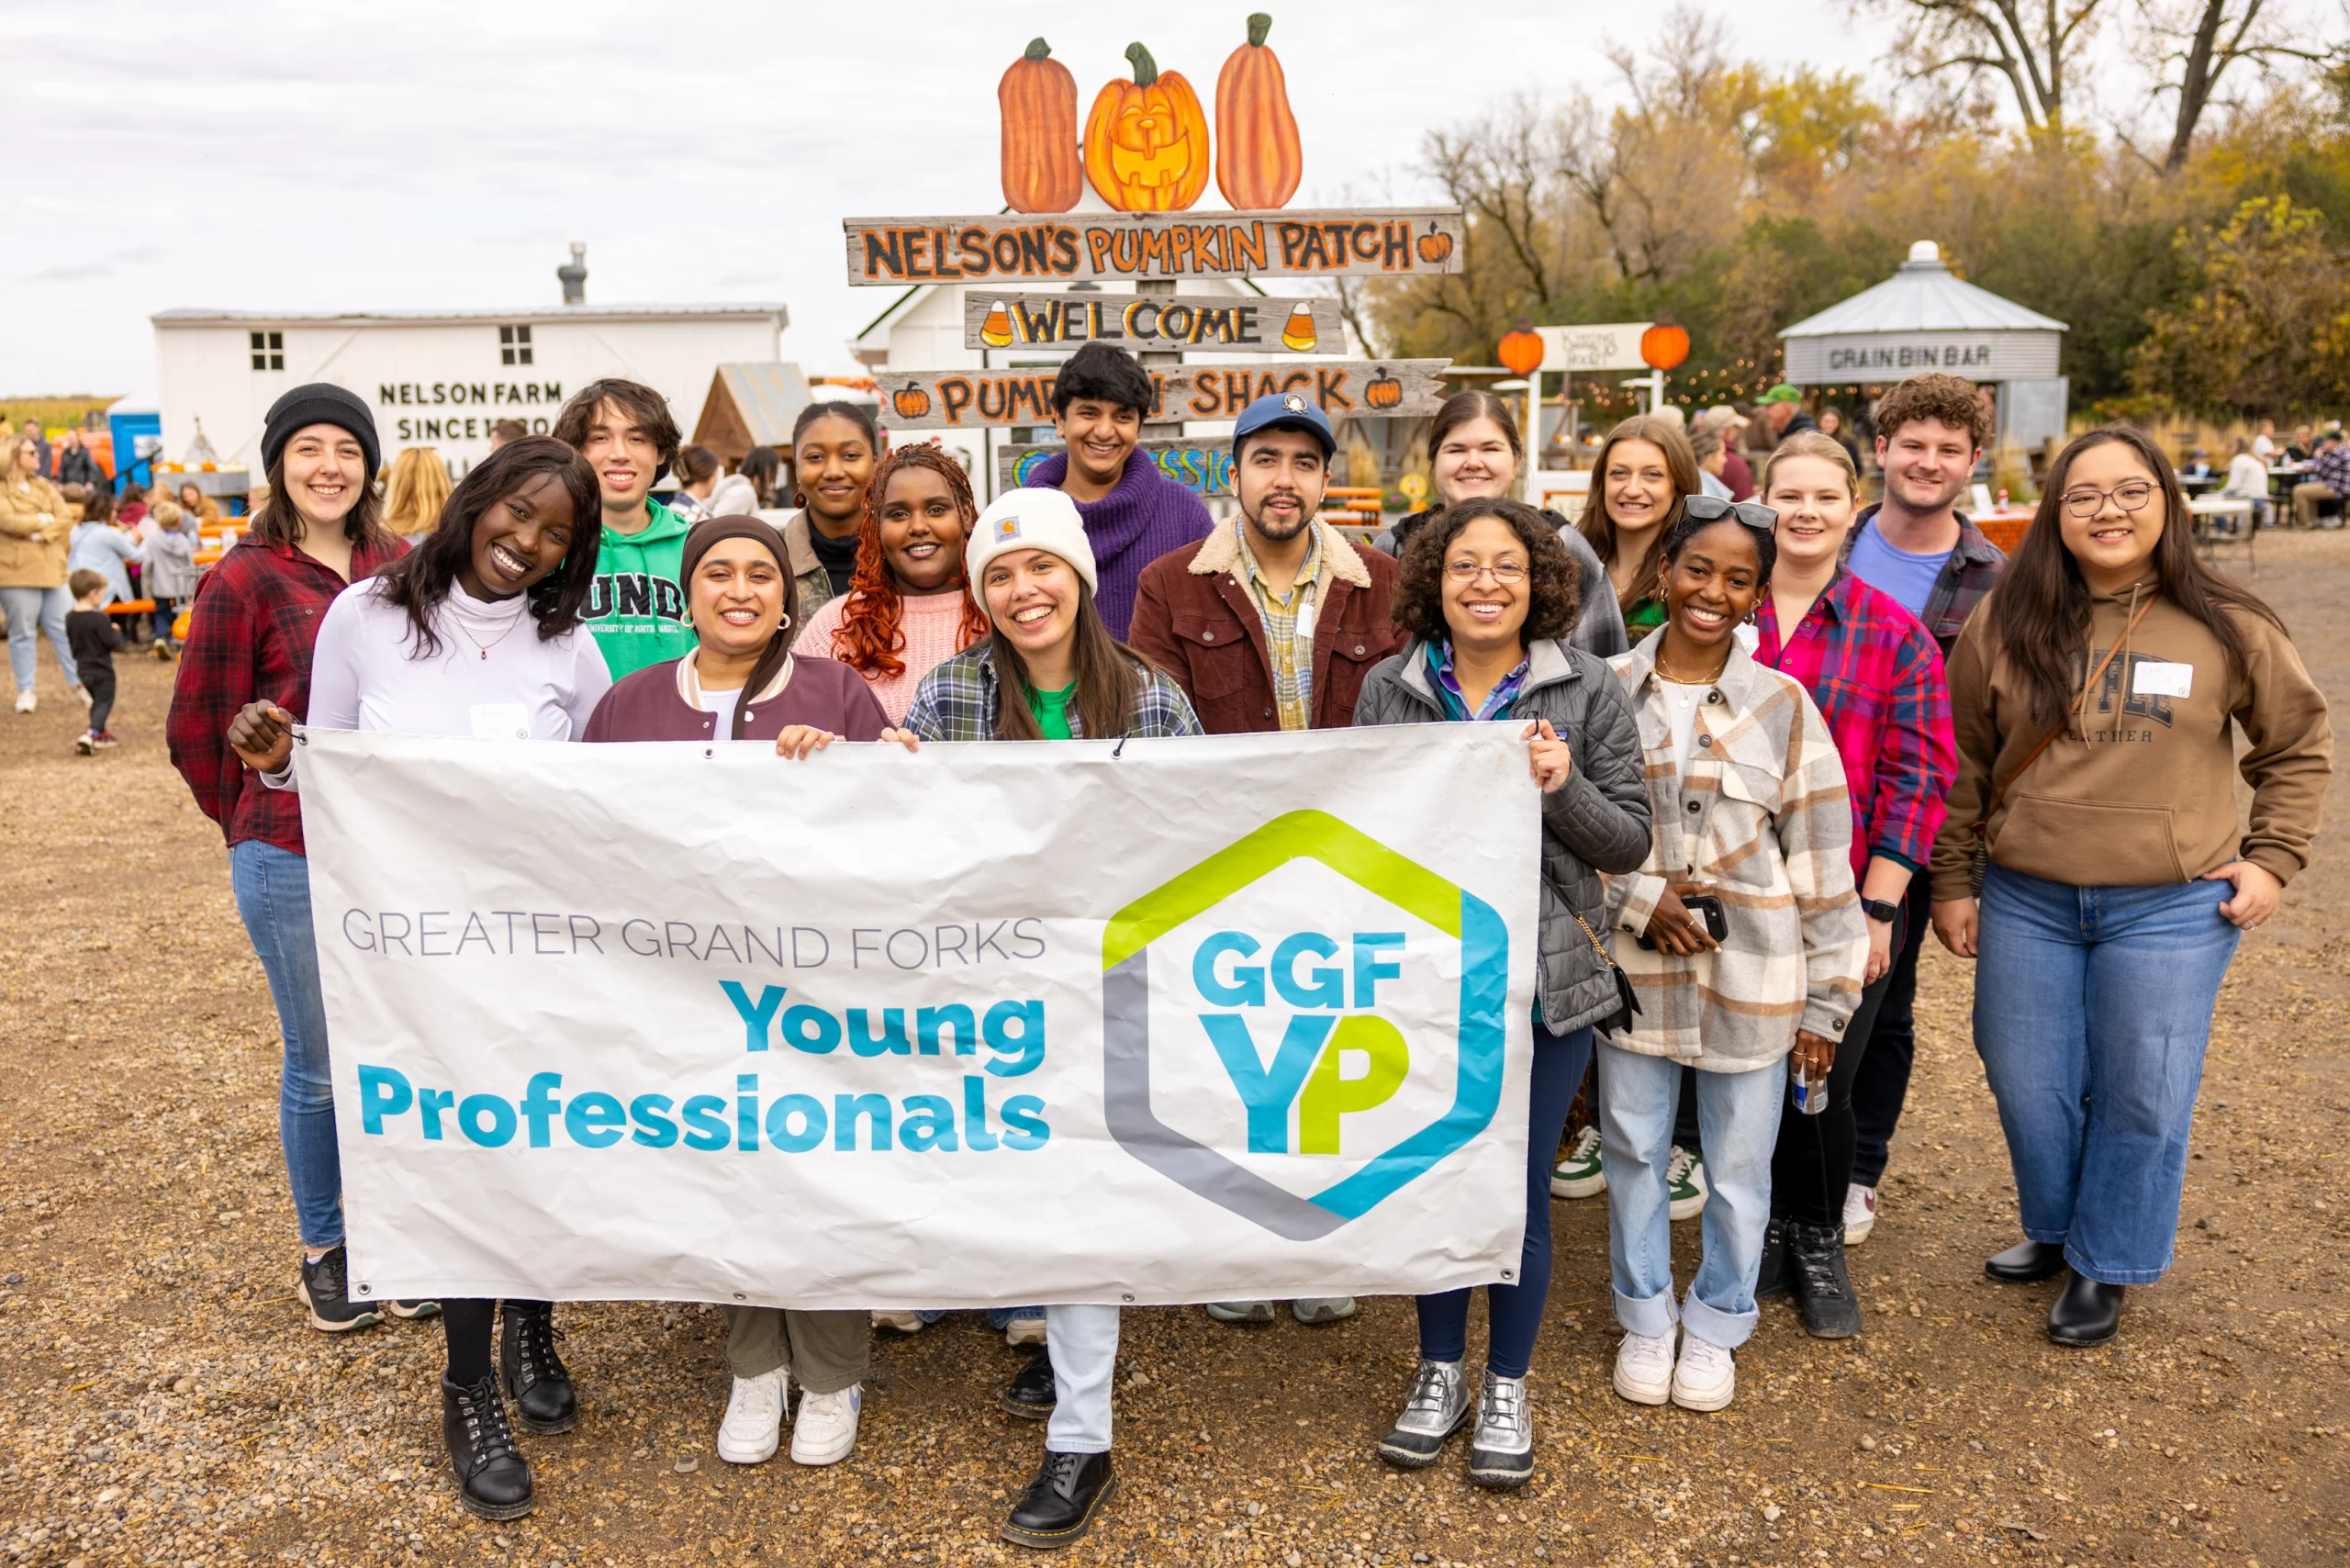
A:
[908,608]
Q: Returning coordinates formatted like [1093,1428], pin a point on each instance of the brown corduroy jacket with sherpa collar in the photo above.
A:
[1194,619]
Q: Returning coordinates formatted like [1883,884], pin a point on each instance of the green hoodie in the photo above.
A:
[637,609]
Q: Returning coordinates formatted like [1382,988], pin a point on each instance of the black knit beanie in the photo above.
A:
[320,403]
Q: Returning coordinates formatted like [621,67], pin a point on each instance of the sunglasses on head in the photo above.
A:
[1713,509]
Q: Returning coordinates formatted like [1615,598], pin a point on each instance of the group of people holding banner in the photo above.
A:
[1838,726]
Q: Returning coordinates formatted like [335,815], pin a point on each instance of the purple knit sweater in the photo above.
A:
[1147,516]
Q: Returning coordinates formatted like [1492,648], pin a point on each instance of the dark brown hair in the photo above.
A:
[1109,679]
[1553,602]
[696,463]
[1597,526]
[1468,407]
[2039,607]
[1947,400]
[418,581]
[640,402]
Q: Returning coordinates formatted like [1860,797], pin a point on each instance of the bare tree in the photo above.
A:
[2200,40]
[2033,47]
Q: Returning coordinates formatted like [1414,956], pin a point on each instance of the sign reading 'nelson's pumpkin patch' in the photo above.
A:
[1014,247]
[965,399]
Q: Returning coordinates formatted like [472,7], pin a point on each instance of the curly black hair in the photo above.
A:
[1555,601]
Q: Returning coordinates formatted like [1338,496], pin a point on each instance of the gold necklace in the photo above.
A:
[1685,680]
[520,616]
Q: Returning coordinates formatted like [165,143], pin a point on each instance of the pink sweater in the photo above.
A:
[930,624]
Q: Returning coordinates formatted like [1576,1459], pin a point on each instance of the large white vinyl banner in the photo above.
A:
[1181,1020]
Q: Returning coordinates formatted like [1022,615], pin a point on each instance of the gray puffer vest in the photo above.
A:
[1597,821]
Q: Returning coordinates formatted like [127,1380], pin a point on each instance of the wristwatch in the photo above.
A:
[1879,909]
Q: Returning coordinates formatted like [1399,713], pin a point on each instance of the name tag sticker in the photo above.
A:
[501,720]
[2155,679]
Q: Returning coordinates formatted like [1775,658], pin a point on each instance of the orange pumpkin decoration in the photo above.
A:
[1434,245]
[1147,140]
[1521,349]
[1038,97]
[1257,161]
[1664,345]
[911,402]
[1383,391]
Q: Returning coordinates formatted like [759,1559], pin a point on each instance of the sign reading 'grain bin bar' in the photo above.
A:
[965,399]
[1151,321]
[1029,247]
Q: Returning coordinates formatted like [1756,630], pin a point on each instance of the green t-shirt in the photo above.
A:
[1644,617]
[1051,709]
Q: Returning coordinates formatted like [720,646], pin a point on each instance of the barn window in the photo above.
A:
[268,350]
[514,345]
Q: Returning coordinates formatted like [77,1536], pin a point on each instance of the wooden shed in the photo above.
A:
[751,405]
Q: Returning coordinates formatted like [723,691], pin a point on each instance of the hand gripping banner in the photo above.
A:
[1179,1020]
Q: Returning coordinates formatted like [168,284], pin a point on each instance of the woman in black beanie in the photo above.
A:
[254,620]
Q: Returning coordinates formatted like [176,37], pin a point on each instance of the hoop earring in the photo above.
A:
[784,624]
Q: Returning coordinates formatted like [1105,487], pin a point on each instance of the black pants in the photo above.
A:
[1883,1081]
[468,1328]
[1811,1166]
[98,681]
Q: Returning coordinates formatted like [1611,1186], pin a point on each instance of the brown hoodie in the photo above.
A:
[2139,789]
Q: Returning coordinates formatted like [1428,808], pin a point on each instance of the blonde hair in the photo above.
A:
[418,487]
[1809,443]
[166,512]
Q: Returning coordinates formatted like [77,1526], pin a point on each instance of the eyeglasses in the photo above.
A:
[1713,509]
[1507,573]
[2131,495]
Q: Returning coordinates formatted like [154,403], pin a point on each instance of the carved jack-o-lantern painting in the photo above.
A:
[1147,140]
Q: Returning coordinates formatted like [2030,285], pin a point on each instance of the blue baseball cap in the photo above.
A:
[1292,409]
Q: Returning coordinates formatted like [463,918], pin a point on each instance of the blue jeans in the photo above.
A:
[2092,1009]
[273,888]
[1513,1312]
[1737,1113]
[31,611]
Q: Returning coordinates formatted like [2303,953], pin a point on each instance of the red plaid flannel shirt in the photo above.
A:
[1877,677]
[249,636]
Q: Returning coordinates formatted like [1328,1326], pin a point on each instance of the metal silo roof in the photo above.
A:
[1923,296]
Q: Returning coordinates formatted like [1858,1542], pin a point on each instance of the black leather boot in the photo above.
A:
[1059,1505]
[2084,1312]
[493,1479]
[1772,1278]
[2026,1263]
[1823,1289]
[534,1375]
[1031,1395]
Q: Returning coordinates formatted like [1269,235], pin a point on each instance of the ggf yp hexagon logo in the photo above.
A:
[1302,1024]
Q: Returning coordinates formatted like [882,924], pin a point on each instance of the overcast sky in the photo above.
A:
[262,154]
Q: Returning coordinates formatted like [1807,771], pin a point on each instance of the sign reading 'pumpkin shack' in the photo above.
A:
[965,399]
[1011,247]
[1151,321]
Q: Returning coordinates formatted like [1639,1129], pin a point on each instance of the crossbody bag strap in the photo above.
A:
[1983,824]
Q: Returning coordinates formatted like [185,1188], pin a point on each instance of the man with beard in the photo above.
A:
[1271,623]
[1916,548]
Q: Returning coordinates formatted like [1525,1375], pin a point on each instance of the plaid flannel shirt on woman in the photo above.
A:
[957,701]
[1877,679]
[1759,815]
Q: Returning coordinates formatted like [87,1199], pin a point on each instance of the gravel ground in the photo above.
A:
[165,1404]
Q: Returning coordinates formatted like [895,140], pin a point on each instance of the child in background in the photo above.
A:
[170,570]
[93,639]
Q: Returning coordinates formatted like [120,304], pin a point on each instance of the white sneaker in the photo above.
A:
[82,694]
[1024,1331]
[1685,1183]
[1644,1368]
[1580,1173]
[26,701]
[1706,1378]
[900,1322]
[1860,1214]
[754,1423]
[826,1428]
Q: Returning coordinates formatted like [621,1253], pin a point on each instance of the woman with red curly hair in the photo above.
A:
[908,608]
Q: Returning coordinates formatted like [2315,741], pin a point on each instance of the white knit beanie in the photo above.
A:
[1028,519]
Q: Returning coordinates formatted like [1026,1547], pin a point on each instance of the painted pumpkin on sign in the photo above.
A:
[911,402]
[1436,244]
[1147,140]
[1382,391]
[1038,97]
[1521,349]
[1664,345]
[1257,161]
